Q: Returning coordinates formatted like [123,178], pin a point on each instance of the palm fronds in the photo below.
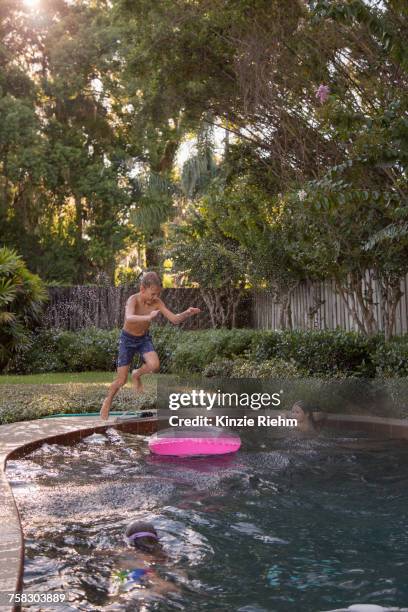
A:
[21,298]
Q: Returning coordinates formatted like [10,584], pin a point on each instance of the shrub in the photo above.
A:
[219,368]
[197,349]
[319,352]
[270,368]
[391,358]
[65,351]
[265,345]
[165,340]
[39,354]
[211,352]
[90,349]
[396,389]
[93,349]
[21,297]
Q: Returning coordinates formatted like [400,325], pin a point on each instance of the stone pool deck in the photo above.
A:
[18,439]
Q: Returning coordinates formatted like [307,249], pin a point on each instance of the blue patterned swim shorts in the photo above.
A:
[129,345]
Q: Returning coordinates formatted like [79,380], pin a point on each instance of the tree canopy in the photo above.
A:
[98,98]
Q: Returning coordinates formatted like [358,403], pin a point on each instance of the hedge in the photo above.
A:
[314,353]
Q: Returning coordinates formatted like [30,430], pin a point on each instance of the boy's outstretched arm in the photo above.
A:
[174,318]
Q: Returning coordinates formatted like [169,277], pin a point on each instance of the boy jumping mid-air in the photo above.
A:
[141,309]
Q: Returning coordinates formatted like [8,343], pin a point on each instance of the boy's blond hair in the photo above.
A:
[150,279]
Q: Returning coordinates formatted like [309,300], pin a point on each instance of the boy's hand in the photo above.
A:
[193,311]
[153,314]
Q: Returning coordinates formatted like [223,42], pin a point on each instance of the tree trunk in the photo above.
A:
[206,295]
[318,302]
[236,299]
[152,257]
[110,271]
[391,295]
[152,251]
[366,302]
[284,297]
[222,305]
[345,293]
[80,254]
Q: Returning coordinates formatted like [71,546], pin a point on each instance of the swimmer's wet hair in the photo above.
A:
[306,409]
[300,404]
[150,279]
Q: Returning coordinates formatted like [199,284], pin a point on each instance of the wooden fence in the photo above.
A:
[78,307]
[331,314]
[74,308]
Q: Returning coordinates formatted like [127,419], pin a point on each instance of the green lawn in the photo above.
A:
[32,396]
[61,378]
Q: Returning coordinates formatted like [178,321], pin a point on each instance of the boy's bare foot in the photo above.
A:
[137,382]
[104,413]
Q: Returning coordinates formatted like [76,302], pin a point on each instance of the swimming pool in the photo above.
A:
[287,524]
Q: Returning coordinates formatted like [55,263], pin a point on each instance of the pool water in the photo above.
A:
[288,525]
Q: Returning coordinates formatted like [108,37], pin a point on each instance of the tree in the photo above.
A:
[206,257]
[249,216]
[97,98]
[327,231]
[63,173]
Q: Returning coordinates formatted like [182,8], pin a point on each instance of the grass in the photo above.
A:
[57,378]
[36,395]
[25,397]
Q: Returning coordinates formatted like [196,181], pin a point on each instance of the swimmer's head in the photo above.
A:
[301,412]
[143,536]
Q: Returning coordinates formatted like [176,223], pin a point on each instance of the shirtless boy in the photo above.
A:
[141,309]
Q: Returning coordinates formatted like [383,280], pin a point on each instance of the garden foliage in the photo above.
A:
[237,352]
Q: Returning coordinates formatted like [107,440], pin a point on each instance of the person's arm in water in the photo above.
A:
[127,574]
[174,318]
[130,315]
[161,586]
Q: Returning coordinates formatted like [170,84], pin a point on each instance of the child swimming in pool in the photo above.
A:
[141,309]
[307,419]
[135,564]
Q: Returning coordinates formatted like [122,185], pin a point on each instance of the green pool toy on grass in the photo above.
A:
[120,416]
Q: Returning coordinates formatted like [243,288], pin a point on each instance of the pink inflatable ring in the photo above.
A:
[194,442]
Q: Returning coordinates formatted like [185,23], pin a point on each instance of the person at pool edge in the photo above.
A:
[141,309]
[307,419]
